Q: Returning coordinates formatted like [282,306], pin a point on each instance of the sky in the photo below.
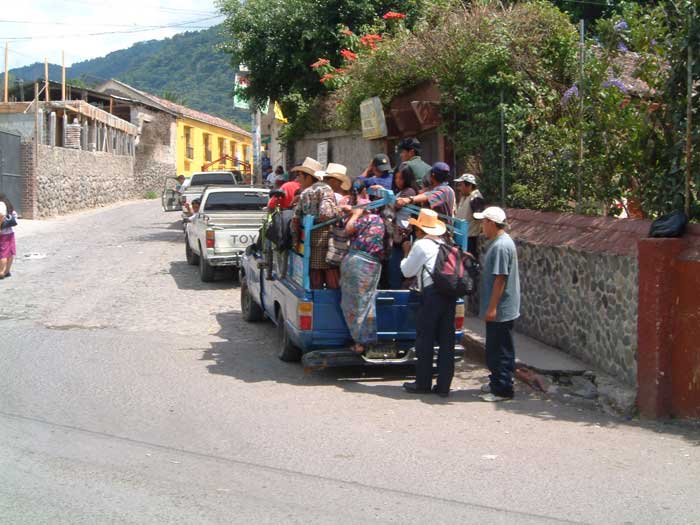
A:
[36,29]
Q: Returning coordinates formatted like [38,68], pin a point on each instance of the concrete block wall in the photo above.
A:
[344,147]
[26,166]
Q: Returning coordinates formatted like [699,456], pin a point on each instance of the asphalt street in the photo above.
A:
[133,393]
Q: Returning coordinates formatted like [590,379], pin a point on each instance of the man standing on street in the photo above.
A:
[470,201]
[409,152]
[500,304]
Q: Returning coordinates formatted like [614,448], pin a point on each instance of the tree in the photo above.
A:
[278,40]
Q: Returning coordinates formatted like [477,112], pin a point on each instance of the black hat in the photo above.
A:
[409,144]
[381,162]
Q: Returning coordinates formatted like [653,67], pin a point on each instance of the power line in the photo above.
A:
[141,6]
[102,33]
[32,22]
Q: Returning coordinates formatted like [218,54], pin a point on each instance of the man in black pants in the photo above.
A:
[435,319]
[500,304]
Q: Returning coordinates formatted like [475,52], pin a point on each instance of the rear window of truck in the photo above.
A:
[235,201]
[212,178]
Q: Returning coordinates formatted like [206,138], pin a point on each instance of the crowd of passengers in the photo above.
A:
[386,248]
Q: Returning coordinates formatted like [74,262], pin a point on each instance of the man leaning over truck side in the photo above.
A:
[318,200]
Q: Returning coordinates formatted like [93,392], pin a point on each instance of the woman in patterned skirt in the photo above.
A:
[359,275]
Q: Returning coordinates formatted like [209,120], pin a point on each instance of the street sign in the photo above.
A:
[322,153]
[373,121]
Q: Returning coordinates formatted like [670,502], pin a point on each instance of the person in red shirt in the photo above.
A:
[290,189]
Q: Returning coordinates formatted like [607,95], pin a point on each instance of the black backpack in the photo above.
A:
[455,272]
[279,229]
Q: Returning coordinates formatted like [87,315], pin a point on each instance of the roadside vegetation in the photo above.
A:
[598,130]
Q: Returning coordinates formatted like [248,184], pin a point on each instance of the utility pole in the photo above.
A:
[503,153]
[256,145]
[579,174]
[689,119]
[7,53]
[63,76]
[46,79]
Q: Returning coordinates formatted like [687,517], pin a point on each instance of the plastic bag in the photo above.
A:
[671,225]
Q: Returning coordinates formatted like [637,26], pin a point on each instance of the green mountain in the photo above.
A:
[188,68]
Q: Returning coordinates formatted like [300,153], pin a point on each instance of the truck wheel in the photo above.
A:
[249,308]
[206,271]
[192,258]
[286,351]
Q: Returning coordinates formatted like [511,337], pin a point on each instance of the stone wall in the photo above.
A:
[579,286]
[155,156]
[344,147]
[68,180]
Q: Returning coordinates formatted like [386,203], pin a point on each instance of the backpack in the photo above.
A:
[455,272]
[279,230]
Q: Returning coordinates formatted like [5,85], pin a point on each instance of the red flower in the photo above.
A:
[328,76]
[341,70]
[348,55]
[346,31]
[370,40]
[393,15]
[321,62]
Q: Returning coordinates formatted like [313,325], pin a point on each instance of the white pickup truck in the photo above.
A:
[228,221]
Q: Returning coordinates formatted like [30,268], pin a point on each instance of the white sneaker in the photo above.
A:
[492,398]
[486,388]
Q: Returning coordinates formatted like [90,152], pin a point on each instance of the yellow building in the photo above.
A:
[203,139]
[200,139]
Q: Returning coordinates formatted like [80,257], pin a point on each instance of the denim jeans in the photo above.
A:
[435,323]
[500,357]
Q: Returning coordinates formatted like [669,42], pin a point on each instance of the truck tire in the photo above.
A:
[192,258]
[286,350]
[206,271]
[249,308]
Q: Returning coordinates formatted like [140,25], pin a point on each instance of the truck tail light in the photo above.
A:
[210,239]
[306,316]
[459,316]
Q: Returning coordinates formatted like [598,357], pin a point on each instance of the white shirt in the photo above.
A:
[421,259]
[185,185]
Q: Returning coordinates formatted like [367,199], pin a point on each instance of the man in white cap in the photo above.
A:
[318,200]
[500,304]
[470,201]
[435,318]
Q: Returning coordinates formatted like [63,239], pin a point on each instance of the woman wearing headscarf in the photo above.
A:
[361,269]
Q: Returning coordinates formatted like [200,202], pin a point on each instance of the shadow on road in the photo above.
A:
[186,277]
[248,353]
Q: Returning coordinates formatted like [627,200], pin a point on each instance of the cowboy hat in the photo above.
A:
[309,166]
[340,172]
[428,222]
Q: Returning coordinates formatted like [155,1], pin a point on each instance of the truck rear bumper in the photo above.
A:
[336,357]
[228,260]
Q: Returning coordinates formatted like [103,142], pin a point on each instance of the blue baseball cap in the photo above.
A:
[440,167]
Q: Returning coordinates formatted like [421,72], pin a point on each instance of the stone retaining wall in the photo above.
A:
[68,180]
[579,286]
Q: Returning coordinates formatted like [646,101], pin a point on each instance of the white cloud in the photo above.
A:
[65,25]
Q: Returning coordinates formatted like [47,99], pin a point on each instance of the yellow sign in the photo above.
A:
[373,121]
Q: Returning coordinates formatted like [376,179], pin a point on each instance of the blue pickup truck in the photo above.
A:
[310,323]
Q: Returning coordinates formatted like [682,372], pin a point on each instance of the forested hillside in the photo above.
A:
[188,68]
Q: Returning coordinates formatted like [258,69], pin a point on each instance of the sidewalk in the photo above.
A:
[528,351]
[555,372]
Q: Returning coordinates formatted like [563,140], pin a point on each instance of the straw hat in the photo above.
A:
[428,222]
[309,166]
[340,172]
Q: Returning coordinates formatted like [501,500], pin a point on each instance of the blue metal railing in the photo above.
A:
[458,227]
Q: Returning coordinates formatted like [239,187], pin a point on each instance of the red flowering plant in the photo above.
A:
[393,15]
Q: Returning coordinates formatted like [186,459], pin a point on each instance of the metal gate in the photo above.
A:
[11,182]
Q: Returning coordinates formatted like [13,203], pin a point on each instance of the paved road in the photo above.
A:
[131,392]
